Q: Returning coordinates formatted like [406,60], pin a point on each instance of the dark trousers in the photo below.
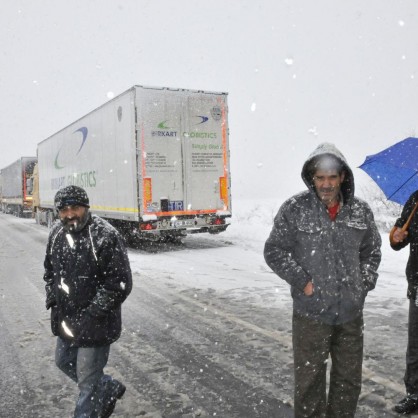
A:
[411,372]
[313,342]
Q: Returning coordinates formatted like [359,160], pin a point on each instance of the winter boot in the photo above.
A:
[113,391]
[407,405]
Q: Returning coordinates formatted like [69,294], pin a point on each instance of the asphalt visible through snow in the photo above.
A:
[185,351]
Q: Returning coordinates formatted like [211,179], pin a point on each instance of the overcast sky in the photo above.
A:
[297,72]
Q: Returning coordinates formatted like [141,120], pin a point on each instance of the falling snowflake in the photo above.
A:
[313,131]
[289,61]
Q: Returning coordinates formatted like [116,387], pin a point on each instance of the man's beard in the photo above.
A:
[75,223]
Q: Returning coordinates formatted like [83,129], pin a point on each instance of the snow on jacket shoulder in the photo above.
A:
[87,277]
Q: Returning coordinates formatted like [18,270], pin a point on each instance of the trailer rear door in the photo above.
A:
[184,157]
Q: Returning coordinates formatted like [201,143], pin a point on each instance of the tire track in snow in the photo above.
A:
[373,383]
[200,364]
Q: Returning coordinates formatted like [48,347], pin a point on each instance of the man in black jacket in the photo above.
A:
[326,245]
[88,276]
[400,238]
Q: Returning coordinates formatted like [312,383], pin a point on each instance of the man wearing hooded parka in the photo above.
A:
[325,244]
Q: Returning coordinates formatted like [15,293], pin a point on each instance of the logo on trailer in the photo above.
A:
[163,130]
[216,113]
[58,164]
[162,125]
[203,119]
[203,135]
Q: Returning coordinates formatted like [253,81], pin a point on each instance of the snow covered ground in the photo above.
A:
[206,320]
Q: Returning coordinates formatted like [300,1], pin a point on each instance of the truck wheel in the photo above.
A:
[173,238]
[218,230]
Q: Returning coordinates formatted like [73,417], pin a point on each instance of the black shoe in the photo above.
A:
[407,405]
[114,390]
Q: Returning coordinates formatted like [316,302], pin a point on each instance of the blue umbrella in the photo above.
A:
[395,170]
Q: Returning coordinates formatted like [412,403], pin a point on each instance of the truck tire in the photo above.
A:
[217,230]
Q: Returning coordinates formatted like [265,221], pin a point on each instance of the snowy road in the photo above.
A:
[207,333]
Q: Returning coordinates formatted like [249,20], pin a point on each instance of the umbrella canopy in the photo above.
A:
[395,169]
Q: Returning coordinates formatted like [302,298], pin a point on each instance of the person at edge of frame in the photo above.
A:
[399,238]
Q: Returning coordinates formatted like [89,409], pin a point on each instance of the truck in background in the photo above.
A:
[16,187]
[154,162]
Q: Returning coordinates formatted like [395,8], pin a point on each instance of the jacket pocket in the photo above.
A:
[312,305]
[308,226]
[357,224]
[353,232]
[309,237]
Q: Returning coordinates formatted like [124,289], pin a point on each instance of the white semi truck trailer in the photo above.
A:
[154,162]
[16,187]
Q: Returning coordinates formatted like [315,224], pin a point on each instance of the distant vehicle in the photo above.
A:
[154,162]
[16,187]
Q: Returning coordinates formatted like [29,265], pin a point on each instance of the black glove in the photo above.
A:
[50,303]
[95,311]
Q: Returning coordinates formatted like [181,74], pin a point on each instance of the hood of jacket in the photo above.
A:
[347,187]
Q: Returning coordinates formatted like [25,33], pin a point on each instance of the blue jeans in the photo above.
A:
[84,366]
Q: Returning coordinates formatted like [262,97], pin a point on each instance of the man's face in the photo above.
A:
[73,217]
[327,185]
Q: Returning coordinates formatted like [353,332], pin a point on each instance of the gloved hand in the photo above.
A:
[95,311]
[50,303]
